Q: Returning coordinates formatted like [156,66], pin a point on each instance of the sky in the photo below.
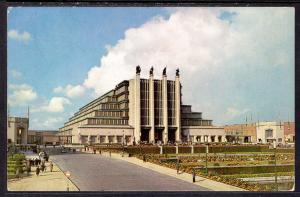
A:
[235,63]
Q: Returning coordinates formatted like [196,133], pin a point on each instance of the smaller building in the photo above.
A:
[241,133]
[42,137]
[289,132]
[17,130]
[267,132]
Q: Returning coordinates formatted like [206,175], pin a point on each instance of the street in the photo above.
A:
[98,173]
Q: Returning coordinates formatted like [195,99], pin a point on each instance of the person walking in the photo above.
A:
[51,166]
[37,171]
[43,166]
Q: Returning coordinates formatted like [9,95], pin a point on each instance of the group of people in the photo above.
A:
[43,167]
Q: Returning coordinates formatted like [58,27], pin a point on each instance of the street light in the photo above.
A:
[275,164]
[123,143]
[68,174]
[206,152]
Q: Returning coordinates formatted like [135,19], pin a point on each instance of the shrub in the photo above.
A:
[169,150]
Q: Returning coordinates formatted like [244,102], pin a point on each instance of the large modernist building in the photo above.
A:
[140,110]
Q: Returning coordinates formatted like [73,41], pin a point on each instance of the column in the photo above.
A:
[106,139]
[209,138]
[165,107]
[200,138]
[137,125]
[177,107]
[89,139]
[223,139]
[151,107]
[115,139]
[194,138]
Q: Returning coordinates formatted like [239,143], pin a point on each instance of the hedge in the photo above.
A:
[184,149]
[169,149]
[249,169]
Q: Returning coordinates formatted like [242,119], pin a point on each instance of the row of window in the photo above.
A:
[102,139]
[109,106]
[107,122]
[190,122]
[112,113]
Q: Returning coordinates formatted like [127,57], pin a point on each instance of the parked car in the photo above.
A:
[63,150]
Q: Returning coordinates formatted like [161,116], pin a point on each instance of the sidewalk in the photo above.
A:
[46,181]
[203,182]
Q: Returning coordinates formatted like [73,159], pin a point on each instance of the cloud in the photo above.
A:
[233,112]
[47,122]
[70,91]
[20,95]
[56,104]
[16,35]
[15,74]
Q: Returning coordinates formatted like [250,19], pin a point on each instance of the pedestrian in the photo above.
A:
[37,171]
[94,151]
[51,166]
[43,166]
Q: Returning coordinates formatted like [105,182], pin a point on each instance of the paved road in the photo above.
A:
[98,173]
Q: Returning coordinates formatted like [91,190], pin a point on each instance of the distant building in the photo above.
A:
[261,132]
[289,132]
[241,133]
[267,132]
[17,130]
[140,110]
[42,137]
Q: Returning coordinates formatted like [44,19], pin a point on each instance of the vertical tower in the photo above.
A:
[151,106]
[137,107]
[165,106]
[177,107]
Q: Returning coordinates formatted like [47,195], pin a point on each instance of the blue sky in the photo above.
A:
[240,62]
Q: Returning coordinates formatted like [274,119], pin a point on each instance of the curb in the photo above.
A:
[66,177]
[115,156]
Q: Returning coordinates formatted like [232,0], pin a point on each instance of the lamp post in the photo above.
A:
[123,143]
[68,174]
[206,152]
[275,164]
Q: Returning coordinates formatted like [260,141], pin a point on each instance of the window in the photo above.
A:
[279,139]
[269,133]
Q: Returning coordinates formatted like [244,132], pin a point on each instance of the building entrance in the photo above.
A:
[158,134]
[171,135]
[145,135]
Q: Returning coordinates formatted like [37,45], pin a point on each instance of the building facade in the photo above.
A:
[42,137]
[241,133]
[261,132]
[140,110]
[17,130]
[289,132]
